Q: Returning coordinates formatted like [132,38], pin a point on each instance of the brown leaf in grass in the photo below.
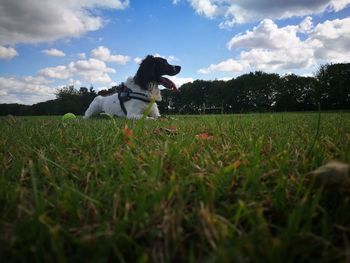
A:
[204,136]
[74,168]
[334,176]
[127,134]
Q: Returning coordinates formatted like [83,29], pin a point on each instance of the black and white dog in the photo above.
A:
[137,92]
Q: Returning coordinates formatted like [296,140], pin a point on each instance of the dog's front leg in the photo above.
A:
[134,116]
[94,107]
[154,112]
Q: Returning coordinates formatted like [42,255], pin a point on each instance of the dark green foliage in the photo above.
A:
[333,86]
[294,93]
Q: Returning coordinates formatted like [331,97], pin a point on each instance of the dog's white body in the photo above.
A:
[134,108]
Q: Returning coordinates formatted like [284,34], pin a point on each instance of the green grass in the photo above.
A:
[82,191]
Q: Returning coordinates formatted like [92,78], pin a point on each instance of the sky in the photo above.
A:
[48,44]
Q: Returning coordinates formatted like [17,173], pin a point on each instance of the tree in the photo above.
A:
[83,91]
[295,93]
[333,86]
[66,92]
[253,91]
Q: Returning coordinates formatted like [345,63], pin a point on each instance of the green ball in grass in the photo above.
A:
[68,116]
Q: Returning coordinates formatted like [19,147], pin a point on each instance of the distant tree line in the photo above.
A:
[262,92]
[253,92]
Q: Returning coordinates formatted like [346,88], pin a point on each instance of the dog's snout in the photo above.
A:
[177,69]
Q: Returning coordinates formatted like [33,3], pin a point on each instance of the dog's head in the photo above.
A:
[152,69]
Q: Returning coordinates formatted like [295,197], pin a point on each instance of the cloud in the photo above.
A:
[225,78]
[205,7]
[104,54]
[278,59]
[229,65]
[30,90]
[266,35]
[27,90]
[306,25]
[271,48]
[243,11]
[179,81]
[92,70]
[331,40]
[54,52]
[81,55]
[338,5]
[59,72]
[138,60]
[35,21]
[7,52]
[73,82]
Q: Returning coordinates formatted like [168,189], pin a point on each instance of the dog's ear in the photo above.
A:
[148,57]
[146,72]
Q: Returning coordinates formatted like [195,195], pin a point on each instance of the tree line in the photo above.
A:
[253,92]
[262,92]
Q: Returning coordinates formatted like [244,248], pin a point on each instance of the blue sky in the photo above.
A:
[45,45]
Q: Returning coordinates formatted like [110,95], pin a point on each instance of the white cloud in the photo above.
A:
[138,60]
[30,90]
[27,90]
[104,54]
[229,65]
[271,48]
[266,35]
[54,52]
[92,70]
[73,82]
[338,5]
[225,78]
[35,21]
[59,72]
[205,7]
[81,55]
[242,11]
[179,81]
[278,59]
[331,40]
[7,52]
[306,25]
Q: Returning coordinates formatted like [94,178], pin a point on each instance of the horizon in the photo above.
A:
[101,43]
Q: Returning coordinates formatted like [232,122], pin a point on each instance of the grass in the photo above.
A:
[97,191]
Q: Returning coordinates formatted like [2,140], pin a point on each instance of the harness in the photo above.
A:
[125,94]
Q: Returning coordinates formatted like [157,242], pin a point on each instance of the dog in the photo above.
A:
[135,95]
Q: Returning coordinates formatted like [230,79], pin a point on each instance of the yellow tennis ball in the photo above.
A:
[69,116]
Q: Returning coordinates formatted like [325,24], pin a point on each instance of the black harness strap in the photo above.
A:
[125,94]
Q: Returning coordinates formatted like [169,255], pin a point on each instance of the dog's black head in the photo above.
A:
[152,69]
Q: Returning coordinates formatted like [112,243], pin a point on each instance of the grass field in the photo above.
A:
[228,188]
